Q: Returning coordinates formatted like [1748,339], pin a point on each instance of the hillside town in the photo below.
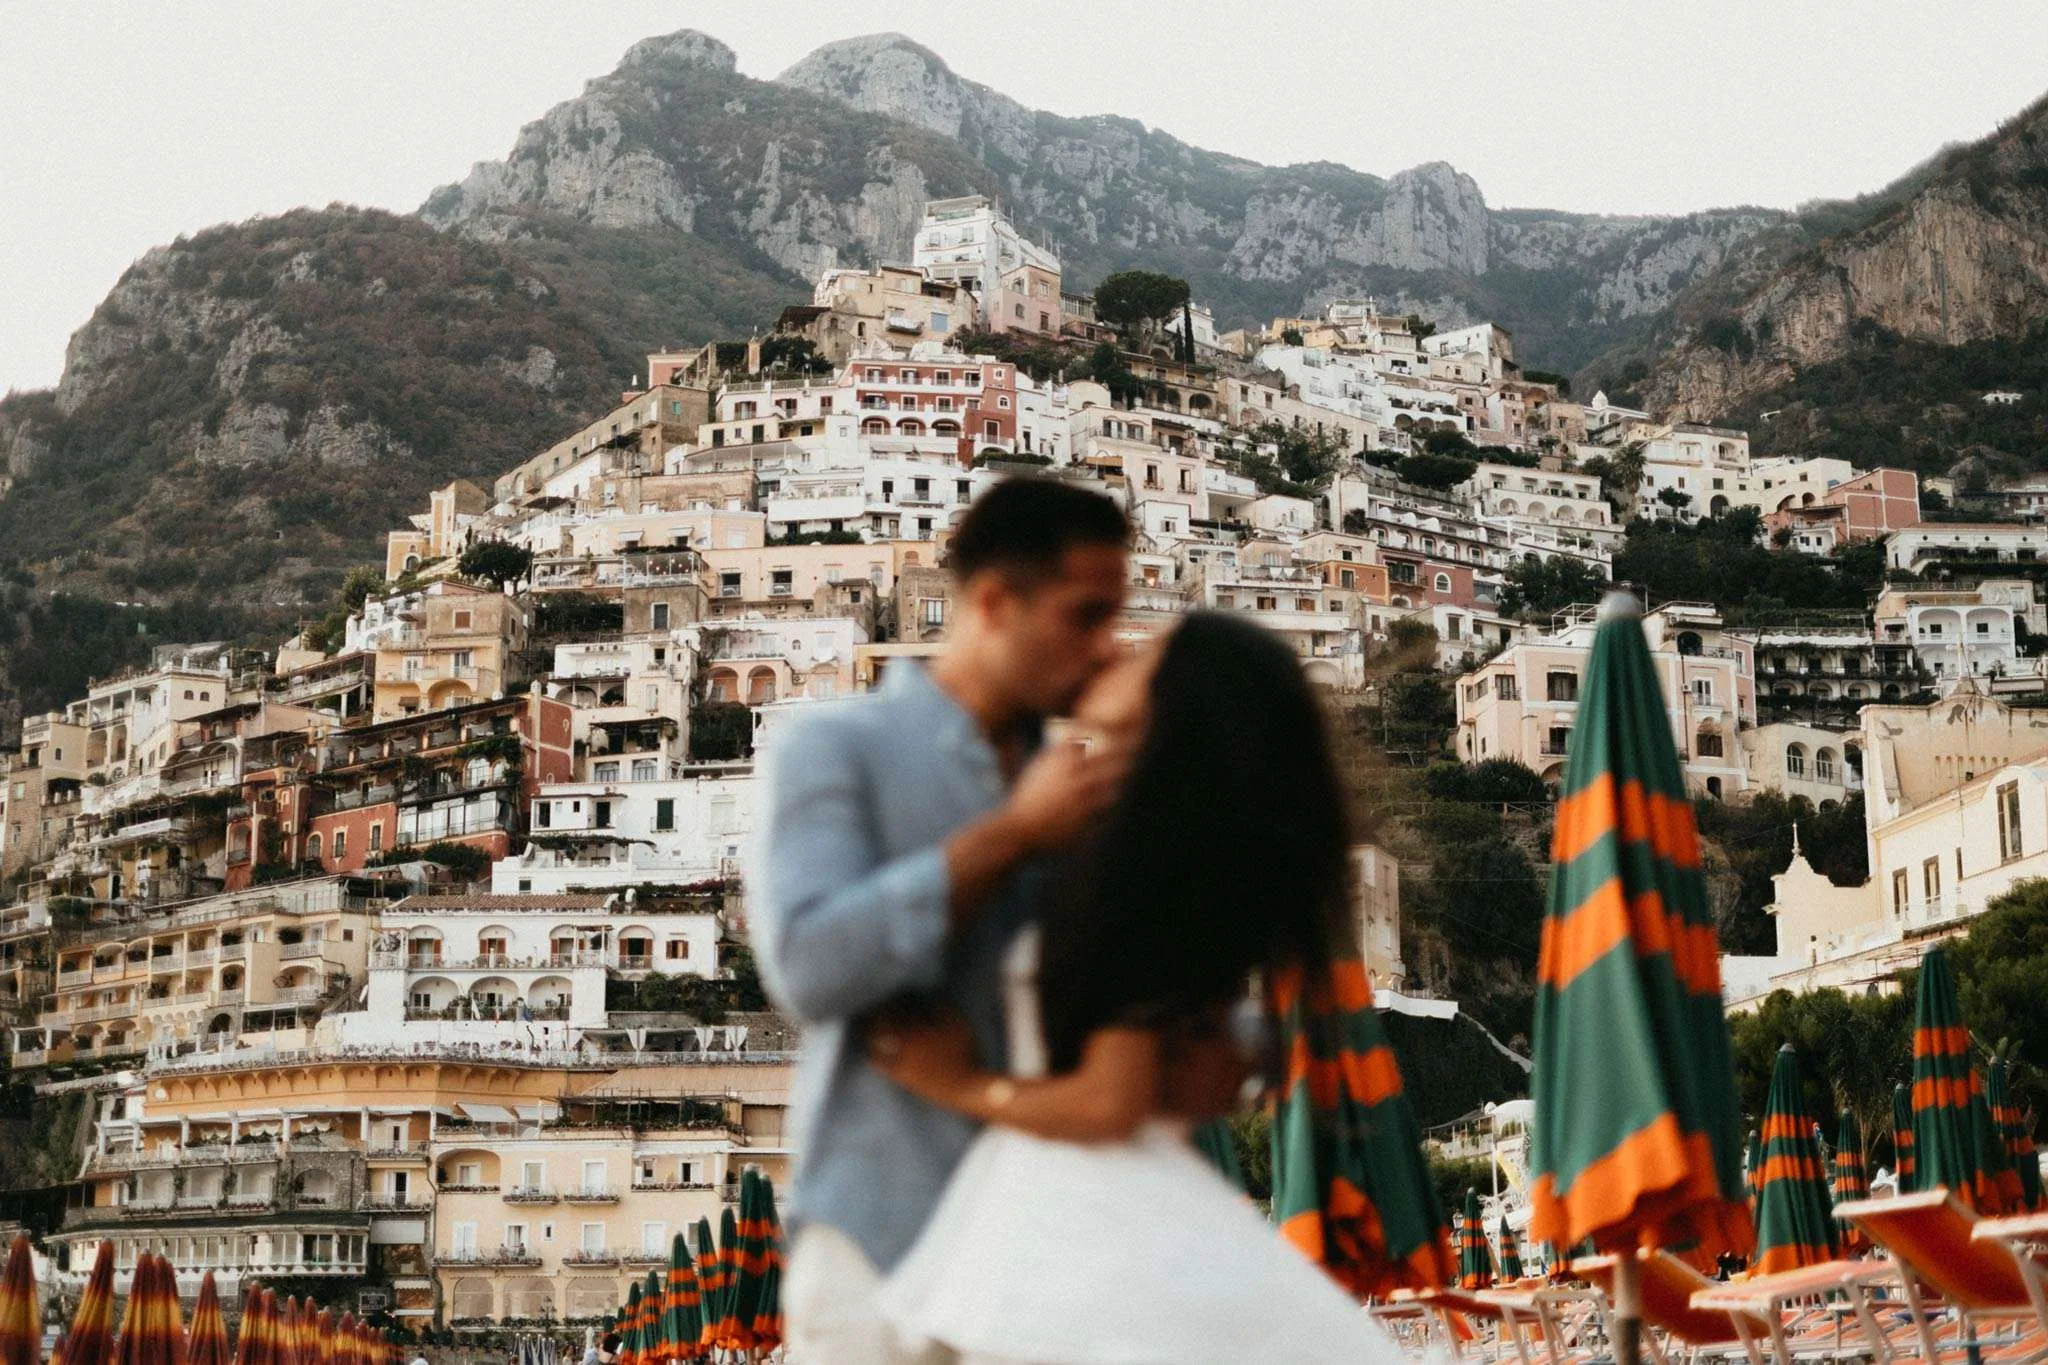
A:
[412,955]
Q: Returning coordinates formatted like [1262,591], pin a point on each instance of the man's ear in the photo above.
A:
[988,596]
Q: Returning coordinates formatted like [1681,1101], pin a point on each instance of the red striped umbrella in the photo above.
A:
[151,1330]
[206,1339]
[21,1315]
[90,1340]
[1636,1139]
[1795,1223]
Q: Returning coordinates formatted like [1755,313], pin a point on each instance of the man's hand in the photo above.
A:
[1060,792]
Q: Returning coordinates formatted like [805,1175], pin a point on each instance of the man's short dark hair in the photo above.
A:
[1025,525]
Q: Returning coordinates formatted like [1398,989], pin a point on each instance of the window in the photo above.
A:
[1983,627]
[313,847]
[533,1175]
[1703,691]
[462,620]
[934,611]
[678,949]
[464,1240]
[1795,760]
[659,618]
[665,814]
[2009,845]
[644,769]
[605,772]
[1708,744]
[593,1182]
[1824,765]
[515,1236]
[592,1241]
[653,1236]
[543,814]
[1930,884]
[340,844]
[1504,688]
[1563,686]
[603,817]
[1443,582]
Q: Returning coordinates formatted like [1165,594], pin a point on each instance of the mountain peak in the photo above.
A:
[885,73]
[683,48]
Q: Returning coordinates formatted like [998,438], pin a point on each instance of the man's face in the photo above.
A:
[1054,635]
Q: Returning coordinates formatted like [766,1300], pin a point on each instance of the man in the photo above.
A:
[896,853]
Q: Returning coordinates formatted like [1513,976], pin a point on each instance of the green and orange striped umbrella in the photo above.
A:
[90,1339]
[1795,1224]
[1851,1181]
[1955,1144]
[1475,1258]
[206,1337]
[629,1326]
[2012,1127]
[768,1327]
[1351,1189]
[1510,1254]
[725,1328]
[1637,1138]
[682,1316]
[21,1315]
[710,1284]
[1753,1168]
[1902,1138]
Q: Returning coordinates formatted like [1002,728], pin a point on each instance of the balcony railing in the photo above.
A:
[591,1194]
[586,1256]
[380,1202]
[531,1194]
[499,1256]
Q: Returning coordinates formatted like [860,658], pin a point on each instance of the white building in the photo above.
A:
[1916,546]
[969,241]
[486,968]
[618,834]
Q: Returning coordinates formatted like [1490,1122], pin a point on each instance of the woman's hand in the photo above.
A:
[932,1059]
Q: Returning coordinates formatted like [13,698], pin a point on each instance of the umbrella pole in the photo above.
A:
[1628,1309]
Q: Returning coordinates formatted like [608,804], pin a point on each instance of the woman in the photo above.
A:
[1082,1227]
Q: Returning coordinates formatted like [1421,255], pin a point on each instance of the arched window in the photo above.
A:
[313,848]
[1443,582]
[1795,760]
[1825,765]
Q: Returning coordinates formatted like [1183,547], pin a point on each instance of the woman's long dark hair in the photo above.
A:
[1227,852]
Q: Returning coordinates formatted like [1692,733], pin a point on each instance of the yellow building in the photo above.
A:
[257,962]
[454,646]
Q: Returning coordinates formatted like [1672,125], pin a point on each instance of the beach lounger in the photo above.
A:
[1943,1265]
[1668,1285]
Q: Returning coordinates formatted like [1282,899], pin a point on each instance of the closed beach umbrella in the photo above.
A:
[1475,1258]
[1954,1144]
[90,1340]
[21,1316]
[629,1326]
[152,1329]
[725,1331]
[1753,1167]
[682,1316]
[1852,1181]
[1795,1224]
[2012,1128]
[1637,1139]
[206,1340]
[710,1284]
[1902,1138]
[652,1296]
[1351,1189]
[768,1328]
[1510,1254]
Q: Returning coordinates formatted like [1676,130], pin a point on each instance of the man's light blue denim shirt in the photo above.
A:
[849,908]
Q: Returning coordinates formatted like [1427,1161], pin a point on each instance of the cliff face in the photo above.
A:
[1961,259]
[832,161]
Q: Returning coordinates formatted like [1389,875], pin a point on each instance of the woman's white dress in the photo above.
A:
[1060,1253]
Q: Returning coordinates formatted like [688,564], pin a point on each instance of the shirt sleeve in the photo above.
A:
[838,928]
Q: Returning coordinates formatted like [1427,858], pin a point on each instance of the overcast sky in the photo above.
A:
[122,125]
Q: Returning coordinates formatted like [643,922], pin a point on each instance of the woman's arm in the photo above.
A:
[1104,1099]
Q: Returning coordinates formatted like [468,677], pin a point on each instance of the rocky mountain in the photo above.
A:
[1954,254]
[831,162]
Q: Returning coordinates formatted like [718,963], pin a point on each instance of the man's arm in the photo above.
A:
[839,929]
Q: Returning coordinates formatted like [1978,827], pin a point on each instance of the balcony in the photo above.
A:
[670,1186]
[591,1194]
[587,1256]
[382,1202]
[531,1194]
[456,1187]
[314,948]
[381,1150]
[499,1256]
